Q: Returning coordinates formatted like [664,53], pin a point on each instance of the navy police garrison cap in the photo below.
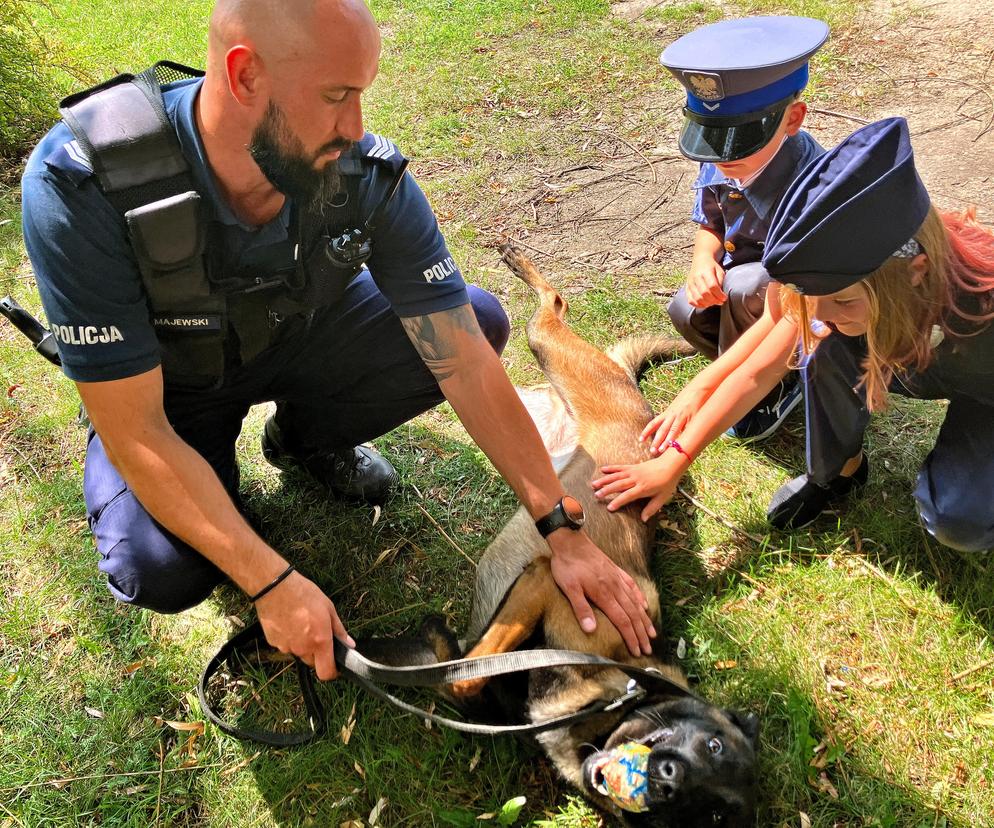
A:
[848,211]
[740,75]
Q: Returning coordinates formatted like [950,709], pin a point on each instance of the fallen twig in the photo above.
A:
[976,668]
[67,780]
[632,147]
[834,114]
[158,796]
[239,765]
[523,243]
[735,528]
[11,814]
[368,621]
[445,534]
[26,460]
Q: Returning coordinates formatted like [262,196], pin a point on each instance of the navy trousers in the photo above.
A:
[350,375]
[954,491]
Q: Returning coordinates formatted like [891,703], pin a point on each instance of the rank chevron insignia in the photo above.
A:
[382,147]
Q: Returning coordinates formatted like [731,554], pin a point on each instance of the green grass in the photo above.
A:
[846,641]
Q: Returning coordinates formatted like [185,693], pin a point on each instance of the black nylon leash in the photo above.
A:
[369,675]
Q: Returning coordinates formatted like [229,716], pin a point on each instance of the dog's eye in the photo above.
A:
[715,745]
[716,818]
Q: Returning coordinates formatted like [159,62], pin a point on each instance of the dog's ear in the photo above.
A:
[748,723]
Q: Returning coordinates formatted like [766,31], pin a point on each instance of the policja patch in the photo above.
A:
[740,75]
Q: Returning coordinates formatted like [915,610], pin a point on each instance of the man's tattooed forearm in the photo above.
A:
[436,337]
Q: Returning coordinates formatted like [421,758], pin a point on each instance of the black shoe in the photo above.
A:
[359,473]
[768,416]
[797,503]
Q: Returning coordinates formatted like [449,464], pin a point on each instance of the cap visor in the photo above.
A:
[702,141]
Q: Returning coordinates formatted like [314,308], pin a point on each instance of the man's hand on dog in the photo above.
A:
[655,479]
[586,575]
[299,618]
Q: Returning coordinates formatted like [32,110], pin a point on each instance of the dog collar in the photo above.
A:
[622,775]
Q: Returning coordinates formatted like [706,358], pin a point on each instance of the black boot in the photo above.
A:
[359,473]
[797,503]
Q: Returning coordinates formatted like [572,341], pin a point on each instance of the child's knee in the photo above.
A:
[679,310]
[953,519]
[745,285]
[963,532]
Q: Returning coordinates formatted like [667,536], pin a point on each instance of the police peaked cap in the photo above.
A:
[740,75]
[848,211]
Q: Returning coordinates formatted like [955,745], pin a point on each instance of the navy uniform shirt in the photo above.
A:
[741,217]
[89,280]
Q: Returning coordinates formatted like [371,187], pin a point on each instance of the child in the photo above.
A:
[743,123]
[884,294]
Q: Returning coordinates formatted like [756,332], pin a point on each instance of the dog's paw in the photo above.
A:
[467,689]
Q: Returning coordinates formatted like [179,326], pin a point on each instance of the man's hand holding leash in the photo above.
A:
[299,618]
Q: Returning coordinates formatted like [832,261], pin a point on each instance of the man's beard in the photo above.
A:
[280,155]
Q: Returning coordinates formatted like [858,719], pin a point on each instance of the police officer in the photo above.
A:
[175,314]
[742,123]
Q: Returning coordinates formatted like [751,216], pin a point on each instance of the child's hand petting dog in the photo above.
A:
[670,423]
[655,479]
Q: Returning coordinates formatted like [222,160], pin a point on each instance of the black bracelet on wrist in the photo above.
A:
[273,584]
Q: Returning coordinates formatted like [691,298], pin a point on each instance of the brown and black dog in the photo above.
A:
[702,759]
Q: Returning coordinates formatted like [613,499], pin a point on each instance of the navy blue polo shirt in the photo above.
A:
[89,280]
[741,217]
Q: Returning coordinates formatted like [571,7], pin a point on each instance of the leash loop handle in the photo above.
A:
[315,710]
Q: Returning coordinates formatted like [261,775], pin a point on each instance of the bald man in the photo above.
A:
[196,266]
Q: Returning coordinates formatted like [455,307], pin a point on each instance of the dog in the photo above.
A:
[695,762]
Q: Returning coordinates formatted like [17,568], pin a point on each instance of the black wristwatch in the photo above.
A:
[567,512]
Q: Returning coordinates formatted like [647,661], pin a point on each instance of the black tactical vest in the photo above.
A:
[208,319]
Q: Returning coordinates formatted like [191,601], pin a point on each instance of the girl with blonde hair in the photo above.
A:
[880,293]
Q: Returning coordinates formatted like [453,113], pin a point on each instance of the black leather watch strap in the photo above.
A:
[559,518]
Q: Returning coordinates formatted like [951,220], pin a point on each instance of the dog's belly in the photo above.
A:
[620,535]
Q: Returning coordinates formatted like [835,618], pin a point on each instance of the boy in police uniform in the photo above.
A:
[743,124]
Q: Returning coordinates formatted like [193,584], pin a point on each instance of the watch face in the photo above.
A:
[573,509]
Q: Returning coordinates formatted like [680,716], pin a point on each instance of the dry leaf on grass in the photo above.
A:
[824,785]
[186,727]
[92,712]
[374,815]
[349,726]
